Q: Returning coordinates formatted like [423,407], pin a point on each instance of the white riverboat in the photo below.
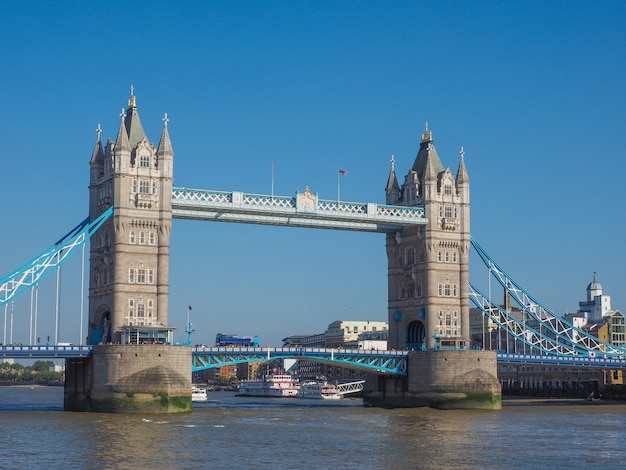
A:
[198,394]
[273,385]
[318,390]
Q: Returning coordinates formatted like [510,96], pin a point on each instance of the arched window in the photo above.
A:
[144,161]
[410,255]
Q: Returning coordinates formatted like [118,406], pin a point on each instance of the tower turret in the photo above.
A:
[393,188]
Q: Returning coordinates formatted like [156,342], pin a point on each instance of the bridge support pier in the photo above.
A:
[444,379]
[130,379]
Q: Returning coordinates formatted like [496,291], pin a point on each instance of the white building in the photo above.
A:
[597,304]
[341,332]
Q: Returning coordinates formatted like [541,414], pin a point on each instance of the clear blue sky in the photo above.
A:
[533,90]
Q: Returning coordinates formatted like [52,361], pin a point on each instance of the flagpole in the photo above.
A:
[338,186]
[340,172]
[272,179]
[190,328]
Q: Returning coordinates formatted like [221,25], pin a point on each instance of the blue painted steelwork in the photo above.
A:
[539,328]
[29,274]
[378,362]
[44,352]
[303,210]
[607,362]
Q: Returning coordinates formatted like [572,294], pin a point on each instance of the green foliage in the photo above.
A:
[40,371]
[43,366]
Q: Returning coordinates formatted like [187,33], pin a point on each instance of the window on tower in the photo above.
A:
[144,161]
[144,186]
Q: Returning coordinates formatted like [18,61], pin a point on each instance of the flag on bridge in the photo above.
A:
[343,172]
[189,307]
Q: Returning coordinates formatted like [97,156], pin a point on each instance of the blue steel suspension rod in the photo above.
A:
[560,327]
[35,270]
[522,332]
[557,325]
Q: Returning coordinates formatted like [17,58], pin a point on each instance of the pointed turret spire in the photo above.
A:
[121,143]
[461,174]
[392,189]
[98,152]
[134,129]
[165,146]
[392,181]
[430,174]
[427,153]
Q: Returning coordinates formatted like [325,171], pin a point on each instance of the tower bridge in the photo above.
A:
[426,224]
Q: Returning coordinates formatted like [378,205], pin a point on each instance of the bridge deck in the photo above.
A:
[303,210]
[377,362]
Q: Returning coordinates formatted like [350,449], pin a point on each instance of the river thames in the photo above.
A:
[236,432]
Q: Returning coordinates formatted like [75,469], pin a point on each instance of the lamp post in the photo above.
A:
[190,329]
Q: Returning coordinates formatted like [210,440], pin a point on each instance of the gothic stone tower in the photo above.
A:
[429,265]
[133,366]
[428,278]
[128,290]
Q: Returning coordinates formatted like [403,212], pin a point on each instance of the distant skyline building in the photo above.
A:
[597,304]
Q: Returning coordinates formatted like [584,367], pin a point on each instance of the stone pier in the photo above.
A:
[444,379]
[146,378]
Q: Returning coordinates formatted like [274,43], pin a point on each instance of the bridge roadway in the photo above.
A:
[379,362]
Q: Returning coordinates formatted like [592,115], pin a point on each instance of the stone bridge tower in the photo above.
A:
[134,367]
[428,266]
[129,258]
[428,279]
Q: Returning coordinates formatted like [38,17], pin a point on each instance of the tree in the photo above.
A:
[43,366]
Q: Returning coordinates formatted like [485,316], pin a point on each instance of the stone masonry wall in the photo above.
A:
[131,378]
[453,379]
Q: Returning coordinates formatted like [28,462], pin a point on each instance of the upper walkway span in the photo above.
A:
[303,210]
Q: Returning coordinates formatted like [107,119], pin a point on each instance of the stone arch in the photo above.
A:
[101,327]
[415,335]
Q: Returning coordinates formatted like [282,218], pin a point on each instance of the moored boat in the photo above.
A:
[318,390]
[272,385]
[198,394]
